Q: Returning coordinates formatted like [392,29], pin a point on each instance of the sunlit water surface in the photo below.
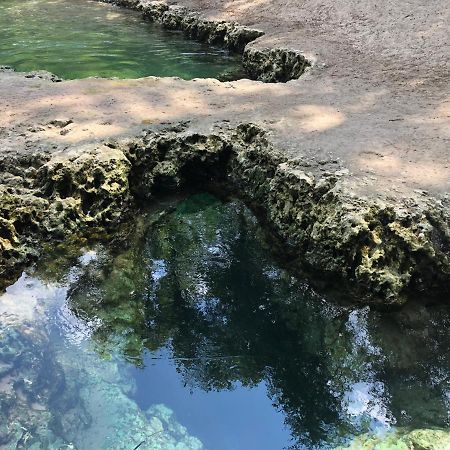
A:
[189,335]
[82,38]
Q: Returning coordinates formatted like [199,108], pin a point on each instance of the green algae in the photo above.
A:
[379,253]
[421,439]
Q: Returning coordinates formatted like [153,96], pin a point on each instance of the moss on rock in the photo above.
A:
[421,439]
[384,251]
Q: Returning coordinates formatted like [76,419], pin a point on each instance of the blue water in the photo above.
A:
[185,333]
[242,417]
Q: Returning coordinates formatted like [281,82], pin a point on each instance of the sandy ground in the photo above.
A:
[376,101]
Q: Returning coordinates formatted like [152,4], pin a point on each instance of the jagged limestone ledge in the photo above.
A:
[385,251]
[225,34]
[262,64]
[55,199]
[272,65]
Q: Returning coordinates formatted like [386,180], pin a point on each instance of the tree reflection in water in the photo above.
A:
[200,281]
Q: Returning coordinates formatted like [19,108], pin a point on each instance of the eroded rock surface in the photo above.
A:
[353,172]
[263,64]
[383,250]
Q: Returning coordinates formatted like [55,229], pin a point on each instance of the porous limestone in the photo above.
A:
[384,252]
[263,64]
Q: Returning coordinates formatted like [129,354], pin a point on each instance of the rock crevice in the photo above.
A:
[385,253]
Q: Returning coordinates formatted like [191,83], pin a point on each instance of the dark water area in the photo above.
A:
[189,335]
[82,38]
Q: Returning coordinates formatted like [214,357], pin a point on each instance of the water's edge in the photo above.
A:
[382,254]
[377,253]
[262,64]
[187,315]
[107,42]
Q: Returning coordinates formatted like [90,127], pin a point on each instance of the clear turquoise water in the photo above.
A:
[82,38]
[187,334]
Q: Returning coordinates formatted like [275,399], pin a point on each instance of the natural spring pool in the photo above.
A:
[187,334]
[82,38]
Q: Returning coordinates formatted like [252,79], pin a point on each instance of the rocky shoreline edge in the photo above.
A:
[385,253]
[269,65]
[385,250]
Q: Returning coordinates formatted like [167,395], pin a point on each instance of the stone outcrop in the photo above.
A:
[262,64]
[272,65]
[420,439]
[384,252]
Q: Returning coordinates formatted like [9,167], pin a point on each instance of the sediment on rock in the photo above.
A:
[263,64]
[384,252]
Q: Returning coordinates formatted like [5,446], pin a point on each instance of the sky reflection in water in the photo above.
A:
[189,334]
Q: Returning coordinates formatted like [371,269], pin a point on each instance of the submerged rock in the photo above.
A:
[57,395]
[30,381]
[422,439]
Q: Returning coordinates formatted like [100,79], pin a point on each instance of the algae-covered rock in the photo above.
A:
[422,439]
[429,439]
[174,17]
[153,10]
[64,195]
[384,252]
[268,65]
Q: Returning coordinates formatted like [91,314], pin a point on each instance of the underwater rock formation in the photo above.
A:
[59,396]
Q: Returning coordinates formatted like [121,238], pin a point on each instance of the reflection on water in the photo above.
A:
[81,38]
[190,336]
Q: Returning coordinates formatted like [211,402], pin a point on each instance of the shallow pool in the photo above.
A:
[82,38]
[188,335]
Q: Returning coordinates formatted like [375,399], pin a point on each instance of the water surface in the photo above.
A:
[189,335]
[82,38]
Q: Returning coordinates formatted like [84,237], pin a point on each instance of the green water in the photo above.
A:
[81,38]
[186,334]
